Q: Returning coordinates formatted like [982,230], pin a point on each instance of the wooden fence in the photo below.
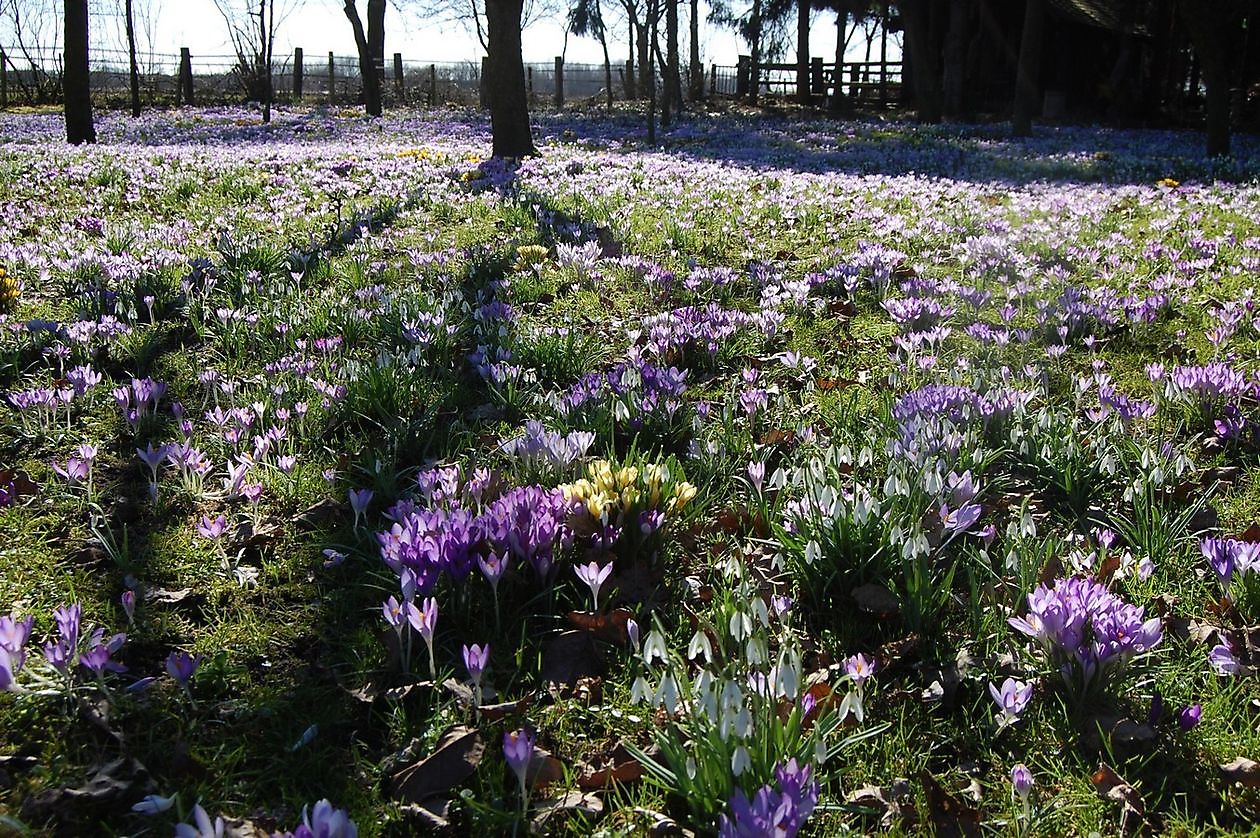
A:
[28,77]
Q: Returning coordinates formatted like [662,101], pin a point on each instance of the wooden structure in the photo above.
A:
[876,83]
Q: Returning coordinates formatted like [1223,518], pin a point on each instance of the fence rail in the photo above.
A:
[33,77]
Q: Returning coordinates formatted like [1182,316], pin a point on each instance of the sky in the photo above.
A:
[320,26]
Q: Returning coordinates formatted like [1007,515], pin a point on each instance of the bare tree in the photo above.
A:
[252,26]
[34,28]
[587,18]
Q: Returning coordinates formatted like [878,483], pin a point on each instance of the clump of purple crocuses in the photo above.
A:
[1088,633]
[1236,564]
[772,811]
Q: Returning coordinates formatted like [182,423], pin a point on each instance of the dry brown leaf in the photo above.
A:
[543,770]
[1242,770]
[950,816]
[610,627]
[453,760]
[1111,786]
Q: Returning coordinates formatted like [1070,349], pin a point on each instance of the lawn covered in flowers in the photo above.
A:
[793,475]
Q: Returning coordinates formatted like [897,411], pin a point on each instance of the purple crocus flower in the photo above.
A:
[594,576]
[128,600]
[518,750]
[212,529]
[325,821]
[14,634]
[475,660]
[1021,784]
[1222,659]
[961,519]
[202,826]
[75,470]
[1012,698]
[395,613]
[1189,716]
[359,500]
[181,666]
[860,669]
[98,657]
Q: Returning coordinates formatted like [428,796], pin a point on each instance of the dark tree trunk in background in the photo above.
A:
[839,102]
[650,67]
[632,86]
[603,43]
[802,52]
[754,38]
[76,79]
[376,38]
[645,49]
[917,18]
[367,64]
[266,30]
[1211,25]
[1029,67]
[673,77]
[509,107]
[695,84]
[134,69]
[955,59]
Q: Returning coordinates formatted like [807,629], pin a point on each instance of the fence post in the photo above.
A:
[4,80]
[559,82]
[743,75]
[332,79]
[297,73]
[432,85]
[817,87]
[712,79]
[529,83]
[398,73]
[185,76]
[855,92]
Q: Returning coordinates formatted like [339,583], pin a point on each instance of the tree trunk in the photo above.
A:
[754,38]
[632,88]
[696,82]
[673,77]
[268,32]
[603,43]
[925,76]
[644,49]
[376,38]
[802,53]
[1210,26]
[367,65]
[509,106]
[131,56]
[650,67]
[955,59]
[76,79]
[839,102]
[1029,67]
